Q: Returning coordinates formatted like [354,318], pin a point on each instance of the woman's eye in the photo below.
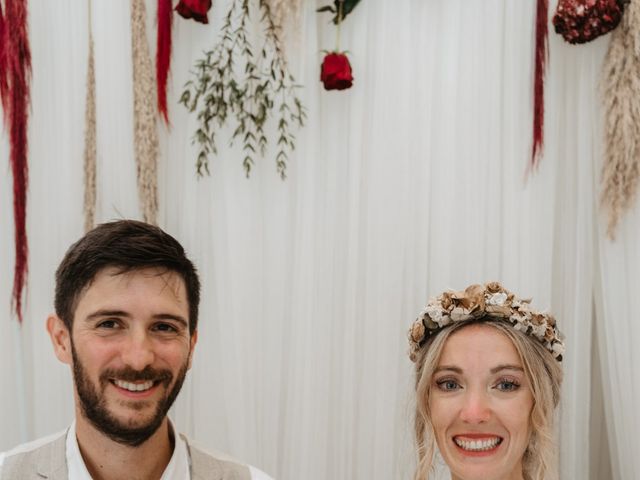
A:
[447,385]
[507,385]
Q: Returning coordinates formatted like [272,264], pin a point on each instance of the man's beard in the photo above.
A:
[94,405]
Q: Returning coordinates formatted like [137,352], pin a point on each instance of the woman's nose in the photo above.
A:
[476,408]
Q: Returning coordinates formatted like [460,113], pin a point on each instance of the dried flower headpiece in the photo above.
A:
[484,301]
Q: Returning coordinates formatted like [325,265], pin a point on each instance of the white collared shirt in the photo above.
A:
[178,467]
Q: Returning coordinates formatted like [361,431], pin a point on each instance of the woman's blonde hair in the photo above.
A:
[543,373]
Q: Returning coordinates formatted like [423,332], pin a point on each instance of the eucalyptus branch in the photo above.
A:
[218,91]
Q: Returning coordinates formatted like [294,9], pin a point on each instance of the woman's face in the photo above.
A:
[480,404]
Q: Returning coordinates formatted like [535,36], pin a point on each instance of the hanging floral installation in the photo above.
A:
[196,9]
[581,21]
[335,71]
[15,79]
[234,80]
[145,135]
[621,86]
[541,55]
[90,135]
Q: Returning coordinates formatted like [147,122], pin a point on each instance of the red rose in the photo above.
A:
[196,9]
[336,72]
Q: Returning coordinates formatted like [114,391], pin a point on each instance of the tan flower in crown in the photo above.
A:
[492,301]
[447,300]
[467,304]
[417,331]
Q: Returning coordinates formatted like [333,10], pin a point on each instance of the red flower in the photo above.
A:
[196,9]
[336,72]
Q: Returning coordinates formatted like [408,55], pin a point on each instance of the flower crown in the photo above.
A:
[484,301]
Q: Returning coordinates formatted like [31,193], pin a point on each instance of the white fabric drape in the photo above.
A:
[411,182]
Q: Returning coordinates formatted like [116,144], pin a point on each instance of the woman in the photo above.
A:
[488,382]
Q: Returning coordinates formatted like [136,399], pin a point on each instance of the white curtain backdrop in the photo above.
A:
[409,183]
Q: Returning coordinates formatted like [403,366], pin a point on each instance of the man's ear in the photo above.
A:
[192,346]
[60,338]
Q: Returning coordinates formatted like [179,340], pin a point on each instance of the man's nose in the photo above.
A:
[476,408]
[137,351]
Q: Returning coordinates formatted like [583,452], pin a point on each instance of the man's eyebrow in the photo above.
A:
[121,313]
[106,313]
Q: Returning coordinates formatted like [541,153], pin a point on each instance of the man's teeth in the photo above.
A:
[477,445]
[134,387]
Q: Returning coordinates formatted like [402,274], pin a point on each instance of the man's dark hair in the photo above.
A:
[128,245]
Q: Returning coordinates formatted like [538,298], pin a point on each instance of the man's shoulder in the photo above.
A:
[206,460]
[44,454]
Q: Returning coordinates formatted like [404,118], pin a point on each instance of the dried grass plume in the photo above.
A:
[621,98]
[145,135]
[90,142]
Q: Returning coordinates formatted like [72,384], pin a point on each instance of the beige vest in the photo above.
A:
[49,461]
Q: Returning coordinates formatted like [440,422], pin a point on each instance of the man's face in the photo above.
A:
[131,350]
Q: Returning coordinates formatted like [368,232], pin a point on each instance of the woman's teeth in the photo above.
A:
[478,445]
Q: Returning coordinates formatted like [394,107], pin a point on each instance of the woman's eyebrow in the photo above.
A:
[499,368]
[451,368]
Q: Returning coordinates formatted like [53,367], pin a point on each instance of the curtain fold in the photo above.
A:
[411,182]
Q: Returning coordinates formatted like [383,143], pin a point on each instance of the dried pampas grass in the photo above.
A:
[145,135]
[90,142]
[286,14]
[621,89]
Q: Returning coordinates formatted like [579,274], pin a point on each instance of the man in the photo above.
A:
[126,320]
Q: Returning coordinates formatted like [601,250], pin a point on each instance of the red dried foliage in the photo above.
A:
[541,54]
[4,85]
[163,55]
[17,65]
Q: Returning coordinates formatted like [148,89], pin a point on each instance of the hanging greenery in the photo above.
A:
[235,81]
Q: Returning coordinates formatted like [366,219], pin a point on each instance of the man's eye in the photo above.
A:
[447,385]
[108,324]
[165,328]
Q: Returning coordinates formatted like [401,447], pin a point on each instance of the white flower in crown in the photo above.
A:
[539,330]
[558,349]
[478,301]
[519,324]
[435,313]
[497,299]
